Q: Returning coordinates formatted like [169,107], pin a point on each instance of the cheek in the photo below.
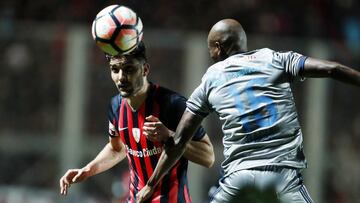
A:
[113,77]
[139,82]
[212,52]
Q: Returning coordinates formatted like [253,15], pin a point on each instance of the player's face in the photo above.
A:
[128,75]
[214,51]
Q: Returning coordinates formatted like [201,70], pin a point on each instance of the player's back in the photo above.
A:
[251,94]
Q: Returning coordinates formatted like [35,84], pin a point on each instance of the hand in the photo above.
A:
[144,194]
[72,176]
[155,130]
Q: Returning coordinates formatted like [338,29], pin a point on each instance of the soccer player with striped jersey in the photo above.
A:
[250,92]
[141,118]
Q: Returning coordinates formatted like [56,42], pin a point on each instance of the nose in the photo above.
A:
[121,76]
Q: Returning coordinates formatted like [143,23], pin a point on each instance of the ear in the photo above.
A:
[146,69]
[218,48]
[217,44]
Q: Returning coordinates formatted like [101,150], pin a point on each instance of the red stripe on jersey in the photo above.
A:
[121,122]
[131,184]
[134,147]
[187,196]
[174,181]
[156,197]
[141,120]
[122,137]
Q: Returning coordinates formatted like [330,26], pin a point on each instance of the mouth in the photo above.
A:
[123,87]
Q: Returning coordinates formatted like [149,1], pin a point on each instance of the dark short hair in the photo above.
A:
[138,52]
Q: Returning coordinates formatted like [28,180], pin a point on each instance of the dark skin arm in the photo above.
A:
[317,68]
[174,149]
[200,152]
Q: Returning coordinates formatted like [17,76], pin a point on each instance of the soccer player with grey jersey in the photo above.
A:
[261,127]
[250,92]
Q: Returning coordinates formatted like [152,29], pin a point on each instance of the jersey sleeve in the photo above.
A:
[292,62]
[113,116]
[198,103]
[176,109]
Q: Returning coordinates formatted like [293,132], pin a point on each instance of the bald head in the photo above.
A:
[227,37]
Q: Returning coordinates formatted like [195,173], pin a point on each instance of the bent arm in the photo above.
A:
[110,155]
[175,146]
[200,152]
[318,68]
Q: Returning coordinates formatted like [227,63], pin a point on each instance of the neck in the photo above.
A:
[137,99]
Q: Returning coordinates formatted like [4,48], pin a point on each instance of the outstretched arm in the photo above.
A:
[322,68]
[200,152]
[174,149]
[110,155]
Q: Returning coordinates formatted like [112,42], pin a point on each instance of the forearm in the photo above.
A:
[168,158]
[346,74]
[175,146]
[200,152]
[107,158]
[323,68]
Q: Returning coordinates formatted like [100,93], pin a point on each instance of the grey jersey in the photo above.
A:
[250,92]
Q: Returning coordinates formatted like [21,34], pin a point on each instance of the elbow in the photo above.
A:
[333,69]
[210,161]
[211,156]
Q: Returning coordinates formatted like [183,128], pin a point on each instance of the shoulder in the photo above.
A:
[166,95]
[115,101]
[214,70]
[114,107]
[264,53]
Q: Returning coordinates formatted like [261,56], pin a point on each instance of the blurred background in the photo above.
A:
[55,87]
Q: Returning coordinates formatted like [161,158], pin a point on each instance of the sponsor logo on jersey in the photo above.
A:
[145,152]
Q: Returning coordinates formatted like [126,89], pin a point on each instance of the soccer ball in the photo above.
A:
[117,30]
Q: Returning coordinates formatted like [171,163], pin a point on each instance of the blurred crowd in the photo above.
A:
[31,73]
[310,18]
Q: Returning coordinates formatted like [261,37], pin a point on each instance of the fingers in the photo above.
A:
[151,136]
[64,183]
[152,118]
[150,130]
[154,129]
[144,194]
[152,125]
[69,178]
[139,197]
[64,190]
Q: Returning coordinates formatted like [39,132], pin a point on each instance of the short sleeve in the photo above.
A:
[198,103]
[292,62]
[113,116]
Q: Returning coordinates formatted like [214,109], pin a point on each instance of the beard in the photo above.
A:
[125,94]
[131,89]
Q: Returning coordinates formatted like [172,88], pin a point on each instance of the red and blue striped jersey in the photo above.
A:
[143,154]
